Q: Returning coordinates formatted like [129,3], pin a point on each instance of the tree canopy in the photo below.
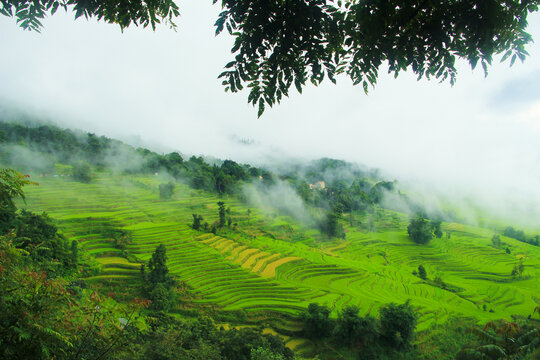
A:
[397,324]
[316,321]
[420,230]
[124,13]
[279,44]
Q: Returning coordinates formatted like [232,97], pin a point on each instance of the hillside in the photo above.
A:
[261,267]
[251,248]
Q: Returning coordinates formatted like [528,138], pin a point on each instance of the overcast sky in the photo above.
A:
[161,87]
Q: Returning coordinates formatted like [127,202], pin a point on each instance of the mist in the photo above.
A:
[25,159]
[474,145]
[122,158]
[278,197]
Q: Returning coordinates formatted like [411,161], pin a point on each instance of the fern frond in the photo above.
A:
[490,325]
[471,354]
[484,335]
[528,337]
[492,351]
[53,333]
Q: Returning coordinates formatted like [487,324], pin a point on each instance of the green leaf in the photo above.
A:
[473,62]
[484,65]
[513,60]
[298,85]
[261,107]
[54,8]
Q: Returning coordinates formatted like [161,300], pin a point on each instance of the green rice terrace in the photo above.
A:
[270,264]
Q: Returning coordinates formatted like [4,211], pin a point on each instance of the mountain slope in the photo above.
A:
[272,263]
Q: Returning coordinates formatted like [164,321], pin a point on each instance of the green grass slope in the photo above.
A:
[273,264]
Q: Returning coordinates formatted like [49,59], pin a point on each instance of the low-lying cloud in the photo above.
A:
[278,197]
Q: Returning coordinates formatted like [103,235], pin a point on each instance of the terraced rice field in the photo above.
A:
[259,268]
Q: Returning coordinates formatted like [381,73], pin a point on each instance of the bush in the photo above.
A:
[422,272]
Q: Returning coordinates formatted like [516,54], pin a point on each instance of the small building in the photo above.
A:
[318,185]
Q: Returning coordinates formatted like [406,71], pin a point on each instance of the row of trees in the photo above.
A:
[356,196]
[86,150]
[64,146]
[200,339]
[519,235]
[394,329]
[224,218]
[346,185]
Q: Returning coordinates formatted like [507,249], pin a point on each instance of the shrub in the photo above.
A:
[422,272]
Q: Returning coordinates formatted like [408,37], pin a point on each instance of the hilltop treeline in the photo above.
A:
[335,187]
[54,145]
[519,235]
[322,183]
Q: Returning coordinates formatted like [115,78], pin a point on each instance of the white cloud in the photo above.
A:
[530,116]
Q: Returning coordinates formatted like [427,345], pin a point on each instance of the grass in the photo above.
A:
[272,264]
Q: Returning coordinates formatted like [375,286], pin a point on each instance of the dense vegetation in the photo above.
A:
[134,265]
